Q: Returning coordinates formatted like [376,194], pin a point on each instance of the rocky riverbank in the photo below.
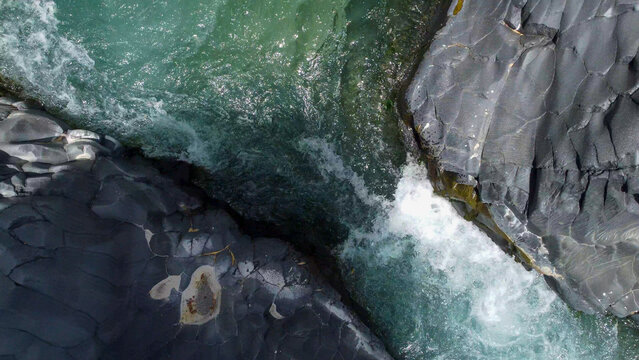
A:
[104,256]
[529,114]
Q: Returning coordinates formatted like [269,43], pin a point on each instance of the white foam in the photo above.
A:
[331,164]
[505,306]
[450,244]
[445,242]
[34,52]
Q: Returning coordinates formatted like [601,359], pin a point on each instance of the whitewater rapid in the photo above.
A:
[441,289]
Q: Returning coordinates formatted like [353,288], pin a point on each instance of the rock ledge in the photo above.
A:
[102,256]
[529,112]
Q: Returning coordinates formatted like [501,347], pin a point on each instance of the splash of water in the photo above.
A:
[60,72]
[440,288]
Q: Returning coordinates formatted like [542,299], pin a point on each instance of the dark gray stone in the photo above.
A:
[104,257]
[56,323]
[535,102]
[22,126]
[5,110]
[40,234]
[15,213]
[71,216]
[49,153]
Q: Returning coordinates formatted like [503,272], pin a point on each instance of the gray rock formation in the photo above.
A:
[102,256]
[536,104]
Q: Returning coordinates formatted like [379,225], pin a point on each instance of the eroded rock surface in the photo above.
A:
[536,104]
[102,256]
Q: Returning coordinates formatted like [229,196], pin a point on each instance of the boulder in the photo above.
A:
[29,125]
[528,111]
[103,256]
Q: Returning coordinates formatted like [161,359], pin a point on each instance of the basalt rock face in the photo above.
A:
[535,105]
[102,256]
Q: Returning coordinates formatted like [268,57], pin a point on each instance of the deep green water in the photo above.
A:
[236,86]
[289,106]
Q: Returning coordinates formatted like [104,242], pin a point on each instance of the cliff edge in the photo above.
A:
[529,114]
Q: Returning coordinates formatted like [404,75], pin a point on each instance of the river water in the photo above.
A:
[289,107]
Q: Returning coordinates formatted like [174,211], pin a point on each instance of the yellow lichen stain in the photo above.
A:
[458,7]
[445,185]
[215,253]
[513,30]
[191,228]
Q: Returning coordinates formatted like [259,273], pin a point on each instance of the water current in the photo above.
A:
[288,106]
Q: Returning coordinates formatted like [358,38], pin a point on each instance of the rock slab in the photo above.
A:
[102,256]
[535,104]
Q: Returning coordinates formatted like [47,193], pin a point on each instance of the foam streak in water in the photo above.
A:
[329,163]
[32,47]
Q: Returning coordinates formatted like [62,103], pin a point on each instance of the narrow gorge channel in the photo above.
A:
[288,109]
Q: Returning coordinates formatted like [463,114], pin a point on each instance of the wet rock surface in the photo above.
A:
[536,104]
[102,256]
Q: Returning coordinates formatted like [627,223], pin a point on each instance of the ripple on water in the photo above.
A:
[232,86]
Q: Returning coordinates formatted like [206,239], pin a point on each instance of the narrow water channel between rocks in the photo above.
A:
[289,106]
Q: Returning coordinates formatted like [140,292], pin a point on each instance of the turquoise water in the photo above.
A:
[233,86]
[289,106]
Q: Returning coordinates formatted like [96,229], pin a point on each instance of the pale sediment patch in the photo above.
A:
[201,299]
[162,290]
